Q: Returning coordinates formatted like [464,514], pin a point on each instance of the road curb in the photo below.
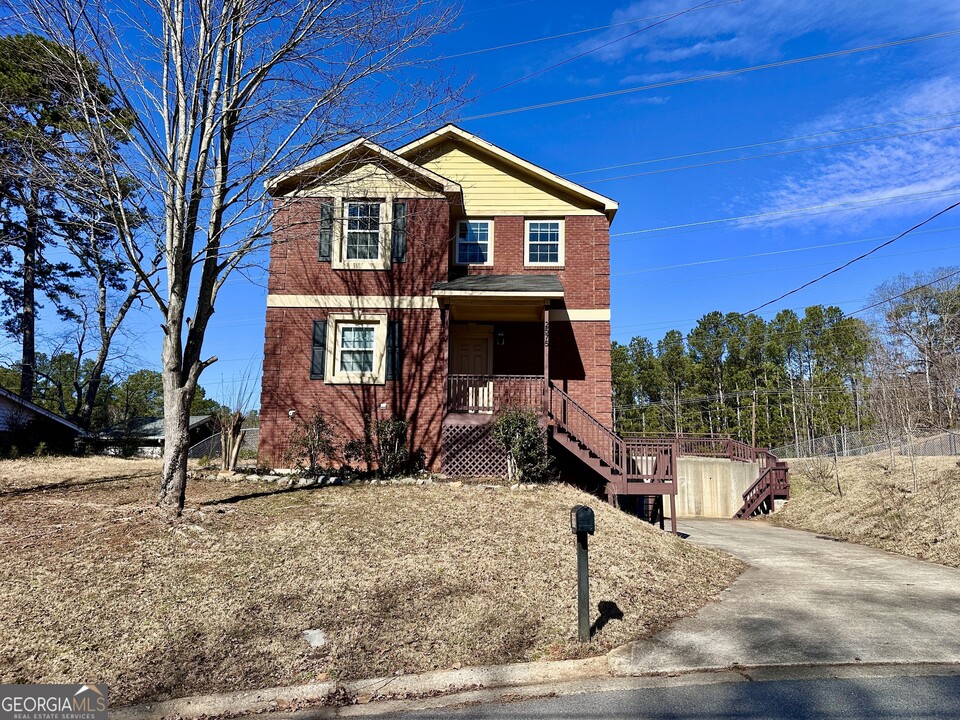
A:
[441,682]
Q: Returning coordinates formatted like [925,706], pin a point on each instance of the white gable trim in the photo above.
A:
[452,131]
[447,186]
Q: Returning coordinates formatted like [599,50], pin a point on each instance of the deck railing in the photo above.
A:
[491,393]
[718,446]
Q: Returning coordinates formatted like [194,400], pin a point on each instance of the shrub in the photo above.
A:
[518,432]
[311,443]
[384,442]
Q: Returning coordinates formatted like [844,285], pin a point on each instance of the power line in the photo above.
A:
[906,292]
[829,207]
[568,34]
[858,258]
[711,76]
[768,253]
[779,153]
[750,146]
[594,49]
[792,268]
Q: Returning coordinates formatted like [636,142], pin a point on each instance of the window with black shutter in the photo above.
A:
[318,351]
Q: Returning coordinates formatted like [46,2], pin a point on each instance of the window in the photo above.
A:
[362,241]
[357,348]
[474,242]
[544,242]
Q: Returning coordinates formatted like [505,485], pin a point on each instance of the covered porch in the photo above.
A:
[498,330]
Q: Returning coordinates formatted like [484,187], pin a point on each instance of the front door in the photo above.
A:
[471,387]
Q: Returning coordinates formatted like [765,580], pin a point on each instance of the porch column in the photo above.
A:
[546,358]
[445,354]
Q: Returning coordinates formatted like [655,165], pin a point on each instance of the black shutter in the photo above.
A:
[394,351]
[325,243]
[318,351]
[398,243]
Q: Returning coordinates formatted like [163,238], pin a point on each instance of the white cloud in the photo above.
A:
[759,28]
[923,163]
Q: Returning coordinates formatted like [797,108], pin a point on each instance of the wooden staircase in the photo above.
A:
[772,485]
[628,466]
[647,466]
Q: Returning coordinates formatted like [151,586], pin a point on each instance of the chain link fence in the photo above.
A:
[210,447]
[867,442]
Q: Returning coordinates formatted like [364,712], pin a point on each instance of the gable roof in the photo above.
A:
[149,428]
[359,148]
[451,132]
[34,408]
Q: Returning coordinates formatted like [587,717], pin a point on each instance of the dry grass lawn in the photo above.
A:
[908,507]
[401,578]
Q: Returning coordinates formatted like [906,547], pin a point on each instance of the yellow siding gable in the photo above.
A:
[491,187]
[370,180]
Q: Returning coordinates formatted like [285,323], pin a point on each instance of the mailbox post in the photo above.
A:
[582,523]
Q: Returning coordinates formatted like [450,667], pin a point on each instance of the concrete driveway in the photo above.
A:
[807,599]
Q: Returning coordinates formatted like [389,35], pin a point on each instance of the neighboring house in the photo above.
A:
[25,425]
[144,435]
[438,283]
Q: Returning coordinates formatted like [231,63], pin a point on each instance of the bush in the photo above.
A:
[384,442]
[518,432]
[311,443]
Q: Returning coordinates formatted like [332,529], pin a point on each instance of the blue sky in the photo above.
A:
[665,276]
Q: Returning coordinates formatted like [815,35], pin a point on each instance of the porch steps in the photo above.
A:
[648,466]
[585,454]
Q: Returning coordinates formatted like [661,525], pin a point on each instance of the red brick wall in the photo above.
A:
[295,270]
[418,396]
[579,351]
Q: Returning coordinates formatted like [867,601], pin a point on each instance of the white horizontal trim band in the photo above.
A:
[360,302]
[581,315]
[412,302]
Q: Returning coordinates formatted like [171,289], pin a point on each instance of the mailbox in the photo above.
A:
[581,519]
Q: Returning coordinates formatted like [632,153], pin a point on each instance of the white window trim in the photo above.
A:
[332,372]
[526,243]
[339,251]
[456,242]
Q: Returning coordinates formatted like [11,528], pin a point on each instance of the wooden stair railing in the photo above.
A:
[590,439]
[772,484]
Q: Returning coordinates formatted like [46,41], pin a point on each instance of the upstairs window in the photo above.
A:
[362,232]
[474,242]
[544,242]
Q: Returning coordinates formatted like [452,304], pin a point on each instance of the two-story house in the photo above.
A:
[435,283]
[445,280]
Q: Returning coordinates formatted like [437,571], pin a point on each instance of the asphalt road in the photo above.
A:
[886,698]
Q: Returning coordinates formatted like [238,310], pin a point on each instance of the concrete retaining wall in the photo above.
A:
[712,487]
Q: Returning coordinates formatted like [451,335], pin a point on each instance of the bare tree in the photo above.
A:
[230,419]
[223,94]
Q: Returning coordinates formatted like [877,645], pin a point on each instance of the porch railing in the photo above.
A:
[491,393]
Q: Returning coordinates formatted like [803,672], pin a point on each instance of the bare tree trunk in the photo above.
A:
[28,326]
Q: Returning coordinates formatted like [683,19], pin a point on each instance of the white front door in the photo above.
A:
[472,357]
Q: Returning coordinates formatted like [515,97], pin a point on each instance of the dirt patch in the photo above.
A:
[906,506]
[400,578]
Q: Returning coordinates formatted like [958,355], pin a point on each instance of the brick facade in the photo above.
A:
[579,350]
